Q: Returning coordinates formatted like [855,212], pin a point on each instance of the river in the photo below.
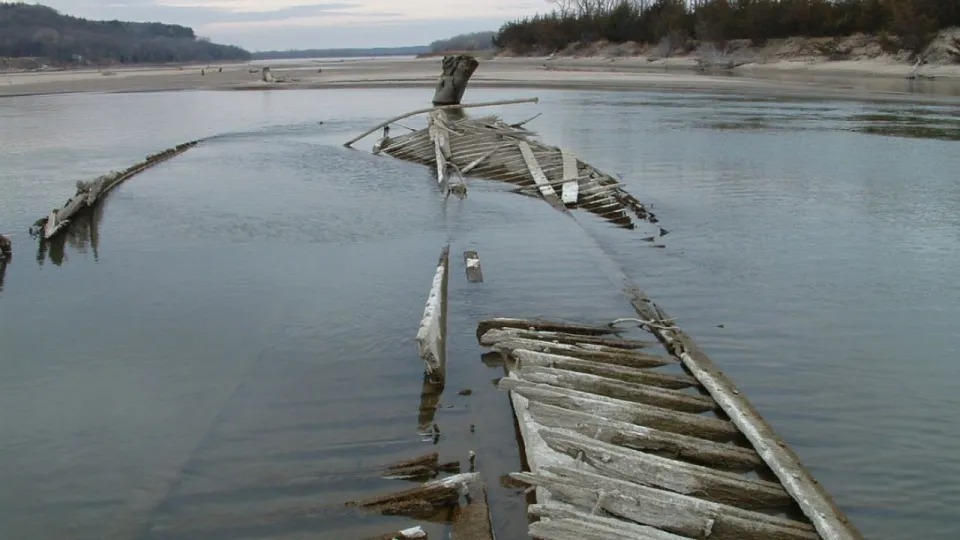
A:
[225,348]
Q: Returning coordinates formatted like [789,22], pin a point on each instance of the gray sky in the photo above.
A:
[299,24]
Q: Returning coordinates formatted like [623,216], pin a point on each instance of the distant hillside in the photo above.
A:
[341,53]
[41,32]
[477,41]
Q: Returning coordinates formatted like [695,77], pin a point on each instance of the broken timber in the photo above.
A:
[89,193]
[431,336]
[472,261]
[489,148]
[618,449]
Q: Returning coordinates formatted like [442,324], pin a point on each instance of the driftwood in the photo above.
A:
[816,504]
[422,502]
[472,262]
[457,71]
[89,193]
[420,468]
[431,336]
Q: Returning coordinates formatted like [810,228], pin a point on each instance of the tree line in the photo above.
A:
[912,23]
[477,41]
[42,32]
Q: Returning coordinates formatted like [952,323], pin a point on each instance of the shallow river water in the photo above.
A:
[224,349]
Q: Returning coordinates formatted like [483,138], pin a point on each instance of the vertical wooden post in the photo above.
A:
[432,334]
[457,71]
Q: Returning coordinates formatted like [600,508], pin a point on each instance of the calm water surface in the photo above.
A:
[224,349]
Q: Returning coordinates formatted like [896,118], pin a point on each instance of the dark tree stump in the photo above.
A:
[457,71]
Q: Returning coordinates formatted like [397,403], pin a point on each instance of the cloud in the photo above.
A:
[275,24]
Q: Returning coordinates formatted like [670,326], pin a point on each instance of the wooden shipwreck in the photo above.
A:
[459,146]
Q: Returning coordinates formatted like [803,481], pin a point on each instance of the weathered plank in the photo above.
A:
[472,520]
[422,501]
[621,373]
[564,522]
[599,354]
[431,336]
[624,411]
[537,174]
[472,261]
[813,499]
[663,443]
[664,473]
[637,393]
[541,325]
[580,340]
[672,512]
[571,185]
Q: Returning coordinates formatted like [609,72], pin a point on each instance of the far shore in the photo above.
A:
[858,79]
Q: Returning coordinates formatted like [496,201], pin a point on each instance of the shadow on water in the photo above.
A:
[81,236]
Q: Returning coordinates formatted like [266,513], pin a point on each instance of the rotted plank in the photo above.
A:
[571,186]
[541,325]
[431,335]
[472,261]
[558,521]
[694,425]
[664,473]
[580,340]
[671,512]
[637,393]
[655,441]
[612,357]
[621,373]
[537,174]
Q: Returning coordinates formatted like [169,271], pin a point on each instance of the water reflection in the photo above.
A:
[82,235]
[3,272]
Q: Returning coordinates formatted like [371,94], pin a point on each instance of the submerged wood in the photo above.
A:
[560,521]
[89,193]
[580,340]
[422,468]
[506,341]
[814,501]
[472,261]
[424,501]
[622,373]
[671,512]
[541,325]
[412,533]
[431,336]
[6,248]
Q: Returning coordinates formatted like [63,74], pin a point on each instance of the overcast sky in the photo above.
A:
[299,24]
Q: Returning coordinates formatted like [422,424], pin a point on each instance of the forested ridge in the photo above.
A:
[37,31]
[908,24]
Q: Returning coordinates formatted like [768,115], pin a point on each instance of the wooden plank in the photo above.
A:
[564,522]
[637,393]
[813,499]
[571,186]
[694,425]
[621,373]
[541,325]
[580,340]
[431,335]
[472,520]
[422,501]
[537,174]
[472,261]
[672,512]
[664,473]
[663,443]
[614,357]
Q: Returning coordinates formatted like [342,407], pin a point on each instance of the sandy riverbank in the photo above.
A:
[861,78]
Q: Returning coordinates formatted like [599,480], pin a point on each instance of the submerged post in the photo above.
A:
[457,71]
[432,334]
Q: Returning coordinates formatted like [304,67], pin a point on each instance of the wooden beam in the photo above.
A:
[655,441]
[612,357]
[571,186]
[627,374]
[579,340]
[472,262]
[693,425]
[537,174]
[813,499]
[431,336]
[672,512]
[540,325]
[664,473]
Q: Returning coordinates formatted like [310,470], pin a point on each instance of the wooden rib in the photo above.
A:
[621,358]
[541,325]
[564,522]
[624,411]
[570,339]
[662,443]
[621,373]
[677,476]
[672,512]
[431,335]
[537,173]
[813,499]
[637,393]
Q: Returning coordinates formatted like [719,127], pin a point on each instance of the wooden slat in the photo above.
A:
[431,335]
[571,186]
[624,411]
[612,357]
[564,522]
[655,441]
[677,476]
[569,339]
[813,499]
[621,373]
[672,512]
[472,262]
[637,393]
[540,325]
[537,173]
